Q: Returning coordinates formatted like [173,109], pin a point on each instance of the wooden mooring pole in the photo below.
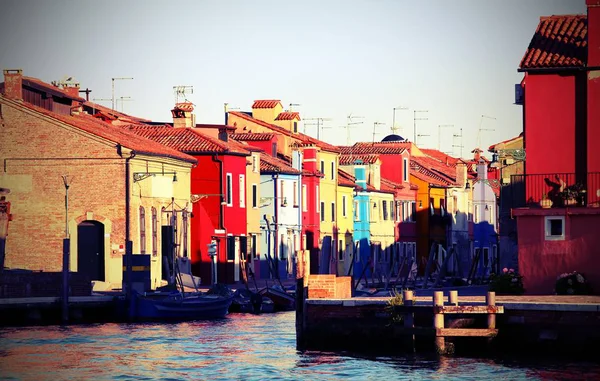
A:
[453,298]
[438,322]
[409,319]
[302,273]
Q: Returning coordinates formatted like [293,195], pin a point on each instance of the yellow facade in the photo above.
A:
[345,226]
[253,201]
[327,162]
[382,223]
[292,125]
[267,114]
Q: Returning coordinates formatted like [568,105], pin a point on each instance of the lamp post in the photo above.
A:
[66,248]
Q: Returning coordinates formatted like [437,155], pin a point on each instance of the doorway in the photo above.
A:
[90,249]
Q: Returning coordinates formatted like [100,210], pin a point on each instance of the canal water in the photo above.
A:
[240,347]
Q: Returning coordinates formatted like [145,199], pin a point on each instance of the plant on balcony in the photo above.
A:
[573,194]
[545,202]
[507,283]
[572,284]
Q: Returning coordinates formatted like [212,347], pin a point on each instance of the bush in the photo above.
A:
[395,300]
[572,284]
[507,283]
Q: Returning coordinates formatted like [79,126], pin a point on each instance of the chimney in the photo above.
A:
[593,34]
[13,83]
[72,89]
[183,116]
[461,174]
[481,170]
[223,136]
[309,159]
[360,175]
[476,154]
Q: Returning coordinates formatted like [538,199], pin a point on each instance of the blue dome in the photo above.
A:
[393,138]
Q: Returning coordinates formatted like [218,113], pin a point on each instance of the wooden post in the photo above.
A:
[409,319]
[453,298]
[490,300]
[438,322]
[300,295]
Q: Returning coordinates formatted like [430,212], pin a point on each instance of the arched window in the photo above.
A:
[142,230]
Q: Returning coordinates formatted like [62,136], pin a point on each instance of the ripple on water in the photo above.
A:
[249,347]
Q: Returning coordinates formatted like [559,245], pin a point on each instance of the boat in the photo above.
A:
[179,306]
[282,300]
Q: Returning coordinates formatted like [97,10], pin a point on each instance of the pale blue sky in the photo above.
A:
[456,59]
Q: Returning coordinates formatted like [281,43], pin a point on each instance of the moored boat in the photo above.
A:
[282,300]
[177,306]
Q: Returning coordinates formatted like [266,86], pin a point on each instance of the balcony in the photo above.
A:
[562,189]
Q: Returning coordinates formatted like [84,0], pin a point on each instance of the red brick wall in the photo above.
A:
[328,286]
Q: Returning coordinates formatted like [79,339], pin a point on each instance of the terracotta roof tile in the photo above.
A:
[266,103]
[186,140]
[439,155]
[559,41]
[252,136]
[271,164]
[390,185]
[345,179]
[185,106]
[436,172]
[111,133]
[492,148]
[349,159]
[288,115]
[385,148]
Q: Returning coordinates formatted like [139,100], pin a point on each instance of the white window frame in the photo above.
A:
[295,194]
[304,203]
[548,236]
[242,191]
[229,190]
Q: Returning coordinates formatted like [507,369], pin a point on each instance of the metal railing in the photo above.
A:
[561,188]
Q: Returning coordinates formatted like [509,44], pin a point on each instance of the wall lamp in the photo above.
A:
[139,176]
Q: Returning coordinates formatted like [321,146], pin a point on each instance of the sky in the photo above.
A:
[453,61]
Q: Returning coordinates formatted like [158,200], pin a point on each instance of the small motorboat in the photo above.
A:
[178,306]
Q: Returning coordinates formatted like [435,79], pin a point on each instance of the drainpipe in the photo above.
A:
[276,227]
[215,258]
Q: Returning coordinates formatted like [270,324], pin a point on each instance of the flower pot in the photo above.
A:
[570,201]
[546,203]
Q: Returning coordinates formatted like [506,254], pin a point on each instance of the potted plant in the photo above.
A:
[573,194]
[572,284]
[545,202]
[507,283]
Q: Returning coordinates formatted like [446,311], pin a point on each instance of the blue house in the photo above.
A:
[362,232]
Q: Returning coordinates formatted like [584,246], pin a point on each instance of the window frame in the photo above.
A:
[229,189]
[142,230]
[548,236]
[242,191]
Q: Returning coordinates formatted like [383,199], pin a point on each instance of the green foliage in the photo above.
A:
[395,300]
[507,283]
[572,284]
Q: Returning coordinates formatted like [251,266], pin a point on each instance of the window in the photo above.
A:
[274,149]
[322,211]
[357,251]
[254,163]
[228,192]
[432,205]
[332,211]
[304,205]
[254,196]
[184,223]
[317,202]
[154,233]
[295,127]
[385,210]
[392,210]
[142,230]
[344,206]
[282,248]
[455,204]
[230,248]
[281,193]
[413,212]
[242,191]
[356,211]
[253,250]
[405,170]
[295,194]
[476,213]
[322,167]
[333,170]
[244,248]
[340,251]
[554,228]
[486,256]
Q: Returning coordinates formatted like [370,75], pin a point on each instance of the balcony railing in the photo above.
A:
[563,189]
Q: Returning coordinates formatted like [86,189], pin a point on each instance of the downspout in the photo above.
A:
[276,226]
[215,259]
[128,243]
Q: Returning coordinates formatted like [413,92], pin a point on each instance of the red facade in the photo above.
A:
[311,178]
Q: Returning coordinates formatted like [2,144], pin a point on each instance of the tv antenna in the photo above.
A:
[292,106]
[394,128]
[349,124]
[454,136]
[181,91]
[415,136]
[319,124]
[113,88]
[375,129]
[123,100]
[483,129]
[440,126]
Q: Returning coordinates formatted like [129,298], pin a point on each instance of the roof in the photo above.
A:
[558,42]
[384,148]
[269,164]
[390,185]
[441,156]
[252,136]
[345,179]
[266,103]
[288,115]
[436,172]
[111,133]
[186,140]
[349,159]
[185,106]
[492,148]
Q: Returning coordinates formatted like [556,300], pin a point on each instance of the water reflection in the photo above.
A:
[249,347]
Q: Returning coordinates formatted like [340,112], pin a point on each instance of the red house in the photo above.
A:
[218,193]
[561,130]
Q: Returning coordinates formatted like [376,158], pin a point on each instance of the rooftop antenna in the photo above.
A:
[394,128]
[349,124]
[102,99]
[87,93]
[415,136]
[454,136]
[292,106]
[483,129]
[113,88]
[375,129]
[181,91]
[319,123]
[440,126]
[123,99]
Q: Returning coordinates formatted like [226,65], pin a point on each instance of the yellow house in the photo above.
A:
[253,205]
